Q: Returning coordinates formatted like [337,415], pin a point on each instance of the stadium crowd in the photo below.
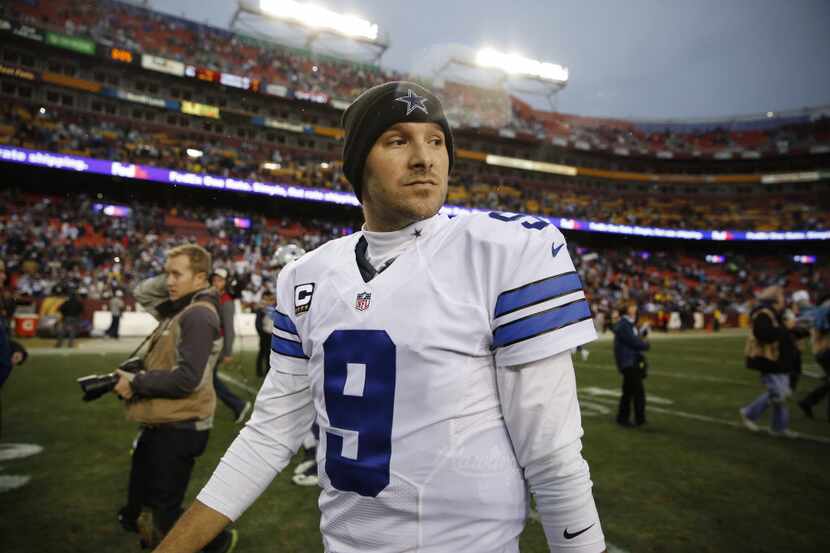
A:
[52,245]
[70,132]
[122,25]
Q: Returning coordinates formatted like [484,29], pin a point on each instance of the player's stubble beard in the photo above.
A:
[388,210]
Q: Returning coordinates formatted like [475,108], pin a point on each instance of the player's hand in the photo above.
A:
[122,387]
[227,359]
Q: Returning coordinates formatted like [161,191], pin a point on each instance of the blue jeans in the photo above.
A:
[224,393]
[778,390]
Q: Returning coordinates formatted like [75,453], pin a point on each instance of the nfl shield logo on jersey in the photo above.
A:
[362,303]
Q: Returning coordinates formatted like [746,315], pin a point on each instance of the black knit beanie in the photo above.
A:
[376,110]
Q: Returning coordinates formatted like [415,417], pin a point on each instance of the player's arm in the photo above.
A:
[282,415]
[196,527]
[541,412]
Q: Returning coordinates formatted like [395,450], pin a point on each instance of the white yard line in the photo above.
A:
[227,378]
[674,375]
[704,418]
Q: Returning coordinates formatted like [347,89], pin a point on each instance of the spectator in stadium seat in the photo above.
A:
[226,312]
[69,327]
[628,353]
[771,350]
[172,398]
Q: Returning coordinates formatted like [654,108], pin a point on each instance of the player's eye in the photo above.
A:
[436,140]
[396,141]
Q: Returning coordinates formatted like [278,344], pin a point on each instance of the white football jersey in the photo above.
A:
[414,454]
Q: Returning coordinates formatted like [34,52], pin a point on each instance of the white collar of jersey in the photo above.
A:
[383,246]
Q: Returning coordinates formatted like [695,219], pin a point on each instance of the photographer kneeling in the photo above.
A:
[172,397]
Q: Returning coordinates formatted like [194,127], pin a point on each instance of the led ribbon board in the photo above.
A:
[81,164]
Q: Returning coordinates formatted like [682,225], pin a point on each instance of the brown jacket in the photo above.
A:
[769,347]
[172,389]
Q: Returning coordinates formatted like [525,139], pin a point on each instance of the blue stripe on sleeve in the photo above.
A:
[284,323]
[537,292]
[287,347]
[540,323]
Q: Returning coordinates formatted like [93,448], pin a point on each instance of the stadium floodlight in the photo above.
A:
[514,64]
[317,17]
[194,153]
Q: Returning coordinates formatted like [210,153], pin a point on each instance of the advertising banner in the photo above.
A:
[202,110]
[74,43]
[162,65]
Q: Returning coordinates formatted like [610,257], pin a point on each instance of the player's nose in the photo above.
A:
[421,155]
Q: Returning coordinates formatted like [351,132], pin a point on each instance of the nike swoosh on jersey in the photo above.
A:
[568,536]
[554,249]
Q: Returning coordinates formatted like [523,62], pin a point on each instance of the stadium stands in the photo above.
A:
[304,75]
[279,127]
[54,243]
[74,132]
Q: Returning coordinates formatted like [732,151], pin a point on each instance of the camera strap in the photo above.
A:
[146,339]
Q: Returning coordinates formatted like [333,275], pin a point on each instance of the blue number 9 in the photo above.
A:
[537,224]
[359,389]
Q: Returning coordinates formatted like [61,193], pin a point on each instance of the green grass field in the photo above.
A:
[692,480]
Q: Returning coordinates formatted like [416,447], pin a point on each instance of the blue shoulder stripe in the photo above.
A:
[541,323]
[287,347]
[284,323]
[537,292]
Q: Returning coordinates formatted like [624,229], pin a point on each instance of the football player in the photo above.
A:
[433,352]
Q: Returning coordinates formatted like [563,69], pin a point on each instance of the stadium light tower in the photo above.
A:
[514,72]
[314,22]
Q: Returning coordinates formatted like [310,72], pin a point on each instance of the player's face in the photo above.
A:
[406,174]
[218,283]
[181,280]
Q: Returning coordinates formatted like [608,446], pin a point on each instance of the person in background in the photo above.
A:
[771,350]
[116,308]
[628,353]
[8,304]
[240,408]
[820,341]
[70,324]
[172,397]
[11,352]
[264,324]
[800,331]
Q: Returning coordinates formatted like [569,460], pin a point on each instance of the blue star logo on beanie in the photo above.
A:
[413,102]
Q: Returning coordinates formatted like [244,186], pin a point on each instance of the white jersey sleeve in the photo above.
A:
[541,412]
[287,353]
[537,304]
[282,415]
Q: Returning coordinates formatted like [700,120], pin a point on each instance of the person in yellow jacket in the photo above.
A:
[771,350]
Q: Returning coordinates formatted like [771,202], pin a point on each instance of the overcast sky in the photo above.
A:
[627,58]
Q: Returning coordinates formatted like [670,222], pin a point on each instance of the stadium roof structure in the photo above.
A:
[511,72]
[353,35]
